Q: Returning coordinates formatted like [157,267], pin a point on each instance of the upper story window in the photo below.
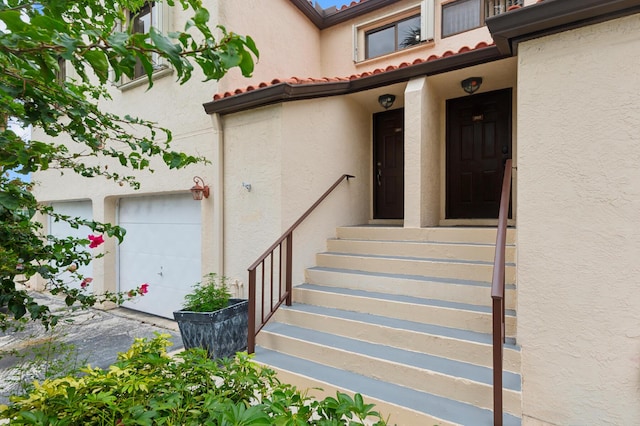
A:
[151,14]
[61,73]
[464,15]
[392,37]
[391,33]
[141,23]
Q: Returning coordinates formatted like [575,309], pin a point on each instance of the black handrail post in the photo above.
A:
[289,272]
[251,338]
[498,305]
[497,362]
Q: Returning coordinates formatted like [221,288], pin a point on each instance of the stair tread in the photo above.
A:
[453,243]
[433,329]
[409,277]
[441,365]
[403,298]
[437,406]
[418,259]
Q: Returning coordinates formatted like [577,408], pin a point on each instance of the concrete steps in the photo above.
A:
[388,315]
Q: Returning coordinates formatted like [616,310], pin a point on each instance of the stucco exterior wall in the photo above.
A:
[289,168]
[289,43]
[337,43]
[422,155]
[252,155]
[579,225]
[325,138]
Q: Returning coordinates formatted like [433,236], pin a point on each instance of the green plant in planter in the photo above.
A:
[212,320]
[210,295]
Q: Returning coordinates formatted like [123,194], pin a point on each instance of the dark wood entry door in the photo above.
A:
[388,164]
[478,144]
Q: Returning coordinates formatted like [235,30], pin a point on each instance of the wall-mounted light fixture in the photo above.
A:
[386,101]
[471,84]
[199,190]
[246,186]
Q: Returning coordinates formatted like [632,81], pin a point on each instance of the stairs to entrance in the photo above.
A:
[402,316]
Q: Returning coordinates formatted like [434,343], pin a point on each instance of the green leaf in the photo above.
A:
[13,21]
[99,62]
[9,201]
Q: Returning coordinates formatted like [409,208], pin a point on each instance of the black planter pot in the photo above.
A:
[222,333]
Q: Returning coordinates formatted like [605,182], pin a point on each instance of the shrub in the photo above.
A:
[208,296]
[146,386]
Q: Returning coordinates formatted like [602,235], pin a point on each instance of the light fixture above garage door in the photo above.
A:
[199,190]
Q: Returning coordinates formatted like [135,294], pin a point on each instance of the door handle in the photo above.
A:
[378,176]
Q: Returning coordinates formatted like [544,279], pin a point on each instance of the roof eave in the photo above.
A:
[325,20]
[284,92]
[553,16]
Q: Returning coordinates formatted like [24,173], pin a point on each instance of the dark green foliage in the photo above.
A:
[208,296]
[146,387]
[86,34]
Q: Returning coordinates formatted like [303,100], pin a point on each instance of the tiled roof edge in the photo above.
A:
[328,17]
[553,16]
[298,89]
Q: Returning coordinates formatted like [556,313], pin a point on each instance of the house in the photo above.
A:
[552,85]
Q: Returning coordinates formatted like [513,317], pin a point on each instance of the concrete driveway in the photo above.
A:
[91,337]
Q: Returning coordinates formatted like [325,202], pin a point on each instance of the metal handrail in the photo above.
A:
[287,240]
[497,295]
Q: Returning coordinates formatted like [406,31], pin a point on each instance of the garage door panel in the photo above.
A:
[165,209]
[81,209]
[149,240]
[161,248]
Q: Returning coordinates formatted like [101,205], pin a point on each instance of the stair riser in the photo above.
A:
[419,249]
[442,346]
[453,235]
[396,414]
[464,390]
[472,294]
[466,320]
[463,271]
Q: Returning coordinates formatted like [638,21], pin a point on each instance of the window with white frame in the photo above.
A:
[141,23]
[151,14]
[394,32]
[464,15]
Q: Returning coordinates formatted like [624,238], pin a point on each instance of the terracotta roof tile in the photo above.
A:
[311,80]
[353,3]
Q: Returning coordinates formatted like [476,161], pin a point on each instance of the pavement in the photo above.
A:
[91,336]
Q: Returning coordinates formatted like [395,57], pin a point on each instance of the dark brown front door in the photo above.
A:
[388,164]
[478,143]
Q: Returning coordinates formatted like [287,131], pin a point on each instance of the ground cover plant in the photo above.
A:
[147,387]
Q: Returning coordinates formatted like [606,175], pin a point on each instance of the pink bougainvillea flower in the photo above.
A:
[96,240]
[85,282]
[144,288]
[72,267]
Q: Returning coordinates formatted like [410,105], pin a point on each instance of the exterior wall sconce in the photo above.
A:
[246,186]
[386,101]
[471,84]
[199,190]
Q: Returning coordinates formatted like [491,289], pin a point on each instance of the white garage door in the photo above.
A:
[83,210]
[161,248]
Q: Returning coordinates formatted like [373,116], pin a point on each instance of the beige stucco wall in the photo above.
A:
[337,43]
[287,40]
[179,108]
[579,225]
[289,167]
[422,143]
